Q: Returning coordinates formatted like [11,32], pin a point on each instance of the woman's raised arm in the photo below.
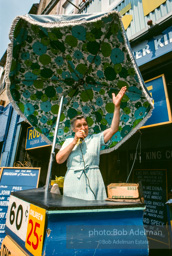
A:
[108,133]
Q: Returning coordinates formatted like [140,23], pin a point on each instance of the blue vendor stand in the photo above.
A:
[60,225]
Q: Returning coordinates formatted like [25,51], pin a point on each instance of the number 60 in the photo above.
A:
[18,221]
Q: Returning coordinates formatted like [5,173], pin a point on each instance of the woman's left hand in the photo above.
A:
[108,133]
[117,99]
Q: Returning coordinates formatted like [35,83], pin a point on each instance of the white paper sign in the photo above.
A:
[17,216]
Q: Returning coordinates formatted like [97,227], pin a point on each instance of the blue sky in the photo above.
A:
[9,9]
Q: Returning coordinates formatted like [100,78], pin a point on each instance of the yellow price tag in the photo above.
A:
[11,248]
[35,230]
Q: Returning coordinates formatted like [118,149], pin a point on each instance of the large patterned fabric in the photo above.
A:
[82,57]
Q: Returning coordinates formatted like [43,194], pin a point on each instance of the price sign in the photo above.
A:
[35,230]
[17,217]
[15,179]
[10,248]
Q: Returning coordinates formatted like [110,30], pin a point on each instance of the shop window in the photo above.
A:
[68,7]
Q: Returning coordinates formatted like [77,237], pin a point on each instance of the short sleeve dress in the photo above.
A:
[83,179]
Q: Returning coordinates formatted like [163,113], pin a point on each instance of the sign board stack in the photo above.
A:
[14,179]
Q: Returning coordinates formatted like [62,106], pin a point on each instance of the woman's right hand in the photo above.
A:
[79,135]
[63,154]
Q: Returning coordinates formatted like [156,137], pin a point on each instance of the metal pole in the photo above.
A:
[53,146]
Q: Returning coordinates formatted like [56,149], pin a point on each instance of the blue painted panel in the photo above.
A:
[96,233]
[15,145]
[9,138]
[154,48]
[160,111]
[4,159]
[20,177]
[11,135]
[34,139]
[11,131]
[4,114]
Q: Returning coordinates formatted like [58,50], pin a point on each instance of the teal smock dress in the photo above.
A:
[83,179]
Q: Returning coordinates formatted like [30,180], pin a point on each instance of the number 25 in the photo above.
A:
[37,225]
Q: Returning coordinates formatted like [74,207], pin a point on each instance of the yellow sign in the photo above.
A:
[125,9]
[35,230]
[126,19]
[149,6]
[1,172]
[10,248]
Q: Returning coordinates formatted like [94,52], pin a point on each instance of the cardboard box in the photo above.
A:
[123,191]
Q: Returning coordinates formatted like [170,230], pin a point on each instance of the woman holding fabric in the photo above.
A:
[83,178]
